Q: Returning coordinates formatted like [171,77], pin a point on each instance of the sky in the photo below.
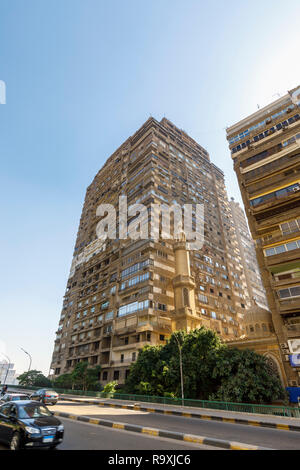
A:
[82,76]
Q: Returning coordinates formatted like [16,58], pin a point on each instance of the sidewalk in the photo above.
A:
[271,421]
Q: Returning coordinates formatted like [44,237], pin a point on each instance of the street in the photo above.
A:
[86,436]
[265,437]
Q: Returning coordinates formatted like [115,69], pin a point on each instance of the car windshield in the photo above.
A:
[50,392]
[33,411]
[20,397]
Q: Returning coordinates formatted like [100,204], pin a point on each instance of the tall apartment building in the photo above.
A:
[122,294]
[248,255]
[266,155]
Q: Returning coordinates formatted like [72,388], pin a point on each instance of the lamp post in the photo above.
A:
[30,358]
[181,372]
[7,358]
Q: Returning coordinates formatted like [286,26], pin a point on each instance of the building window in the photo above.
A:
[186,301]
[116,375]
[104,375]
[133,356]
[290,292]
[276,250]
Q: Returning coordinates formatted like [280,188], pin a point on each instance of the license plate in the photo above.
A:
[48,439]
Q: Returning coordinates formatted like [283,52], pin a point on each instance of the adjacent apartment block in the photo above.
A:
[248,255]
[123,294]
[265,149]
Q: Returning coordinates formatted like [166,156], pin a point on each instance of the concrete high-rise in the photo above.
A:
[265,149]
[248,255]
[123,294]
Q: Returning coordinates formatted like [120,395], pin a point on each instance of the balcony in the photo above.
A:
[293,330]
[274,201]
[289,306]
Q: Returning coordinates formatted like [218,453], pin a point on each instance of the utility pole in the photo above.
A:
[30,358]
[181,371]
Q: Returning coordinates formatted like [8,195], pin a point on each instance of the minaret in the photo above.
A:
[185,315]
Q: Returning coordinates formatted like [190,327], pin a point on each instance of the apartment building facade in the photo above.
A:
[247,250]
[266,156]
[122,294]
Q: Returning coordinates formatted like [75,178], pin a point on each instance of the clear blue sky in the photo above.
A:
[83,75]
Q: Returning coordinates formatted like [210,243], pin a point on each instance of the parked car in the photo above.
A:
[13,397]
[46,396]
[28,424]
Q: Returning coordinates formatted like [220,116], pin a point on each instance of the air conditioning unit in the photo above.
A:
[296,189]
[284,346]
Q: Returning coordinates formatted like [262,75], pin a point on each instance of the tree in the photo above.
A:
[211,370]
[246,377]
[157,369]
[148,374]
[84,377]
[110,388]
[34,378]
[199,350]
[63,381]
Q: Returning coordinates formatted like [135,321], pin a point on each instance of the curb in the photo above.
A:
[264,424]
[228,445]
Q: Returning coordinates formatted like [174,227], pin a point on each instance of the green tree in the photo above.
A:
[34,378]
[85,378]
[148,374]
[63,381]
[211,370]
[199,350]
[245,377]
[110,388]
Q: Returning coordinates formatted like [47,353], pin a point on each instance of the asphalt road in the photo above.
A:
[265,437]
[84,436]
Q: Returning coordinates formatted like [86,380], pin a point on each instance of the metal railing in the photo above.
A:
[275,410]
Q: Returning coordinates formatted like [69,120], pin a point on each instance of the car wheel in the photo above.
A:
[15,442]
[52,448]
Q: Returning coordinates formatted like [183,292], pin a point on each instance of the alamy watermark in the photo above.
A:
[159,221]
[2,92]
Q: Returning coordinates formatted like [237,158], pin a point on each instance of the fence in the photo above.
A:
[277,410]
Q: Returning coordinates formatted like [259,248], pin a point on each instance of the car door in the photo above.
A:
[12,423]
[5,431]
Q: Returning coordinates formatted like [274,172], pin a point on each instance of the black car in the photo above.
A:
[27,424]
[46,396]
[13,397]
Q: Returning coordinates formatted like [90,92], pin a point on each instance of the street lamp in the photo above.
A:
[30,359]
[7,358]
[180,362]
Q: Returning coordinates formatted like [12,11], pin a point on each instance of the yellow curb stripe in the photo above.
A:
[206,417]
[284,427]
[94,421]
[72,417]
[125,407]
[150,410]
[228,420]
[118,426]
[239,447]
[196,440]
[167,412]
[152,432]
[187,415]
[253,423]
[138,408]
